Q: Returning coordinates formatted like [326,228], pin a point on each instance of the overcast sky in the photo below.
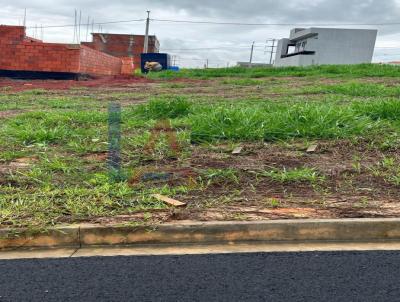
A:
[232,42]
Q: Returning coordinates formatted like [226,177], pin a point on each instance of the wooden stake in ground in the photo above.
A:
[170,201]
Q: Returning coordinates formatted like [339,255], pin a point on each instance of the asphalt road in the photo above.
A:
[345,276]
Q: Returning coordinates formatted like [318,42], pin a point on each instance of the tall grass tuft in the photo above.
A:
[54,127]
[277,121]
[165,107]
[357,89]
[380,109]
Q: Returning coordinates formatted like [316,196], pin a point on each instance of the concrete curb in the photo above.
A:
[354,230]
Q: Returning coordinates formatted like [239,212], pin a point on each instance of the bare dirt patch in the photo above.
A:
[10,113]
[12,85]
[348,189]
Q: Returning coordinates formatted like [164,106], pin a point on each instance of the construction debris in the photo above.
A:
[237,150]
[312,148]
[169,201]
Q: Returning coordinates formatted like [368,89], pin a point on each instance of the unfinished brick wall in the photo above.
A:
[122,46]
[128,66]
[95,62]
[21,53]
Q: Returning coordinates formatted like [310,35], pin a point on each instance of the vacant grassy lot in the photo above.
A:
[53,151]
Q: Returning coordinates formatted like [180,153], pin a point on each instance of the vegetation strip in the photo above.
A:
[178,138]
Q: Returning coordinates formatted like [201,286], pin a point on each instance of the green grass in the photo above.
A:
[62,131]
[380,109]
[165,107]
[277,122]
[243,82]
[293,175]
[357,89]
[219,176]
[252,121]
[54,127]
[363,70]
[44,206]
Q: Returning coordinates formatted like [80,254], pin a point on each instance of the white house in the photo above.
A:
[318,46]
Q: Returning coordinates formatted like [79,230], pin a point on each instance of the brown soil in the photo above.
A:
[101,156]
[12,85]
[346,191]
[10,113]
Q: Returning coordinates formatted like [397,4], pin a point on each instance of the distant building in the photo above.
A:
[319,46]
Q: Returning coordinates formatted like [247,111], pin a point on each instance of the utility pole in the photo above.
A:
[87,28]
[146,37]
[272,51]
[25,18]
[251,54]
[206,64]
[79,27]
[75,17]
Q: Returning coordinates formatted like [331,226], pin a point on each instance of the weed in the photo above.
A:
[395,179]
[356,89]
[219,176]
[356,164]
[166,107]
[277,121]
[243,82]
[174,85]
[273,202]
[294,175]
[379,109]
[34,92]
[388,162]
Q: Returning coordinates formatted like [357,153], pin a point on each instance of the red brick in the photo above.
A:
[24,53]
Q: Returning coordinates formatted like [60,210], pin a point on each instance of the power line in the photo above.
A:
[231,23]
[207,48]
[276,24]
[95,23]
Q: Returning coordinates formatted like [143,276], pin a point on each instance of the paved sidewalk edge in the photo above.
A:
[356,230]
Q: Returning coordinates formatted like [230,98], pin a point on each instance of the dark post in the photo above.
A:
[114,138]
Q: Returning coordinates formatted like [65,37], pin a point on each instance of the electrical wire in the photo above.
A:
[208,48]
[96,23]
[231,23]
[276,24]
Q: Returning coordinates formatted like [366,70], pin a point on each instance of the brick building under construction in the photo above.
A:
[107,54]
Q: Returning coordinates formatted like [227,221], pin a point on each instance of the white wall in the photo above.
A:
[333,46]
